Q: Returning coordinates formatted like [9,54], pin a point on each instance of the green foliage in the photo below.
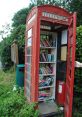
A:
[29,111]
[5,53]
[76,6]
[6,57]
[18,33]
[20,17]
[78,77]
[79,41]
[42,2]
[13,103]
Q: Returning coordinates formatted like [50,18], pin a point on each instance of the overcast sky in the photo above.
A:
[8,8]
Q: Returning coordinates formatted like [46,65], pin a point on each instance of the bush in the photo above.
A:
[15,105]
[77,105]
[6,57]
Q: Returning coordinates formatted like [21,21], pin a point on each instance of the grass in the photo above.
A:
[7,79]
[13,103]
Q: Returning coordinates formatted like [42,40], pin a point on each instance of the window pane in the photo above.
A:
[63,53]
[29,51]
[29,59]
[30,33]
[28,76]
[64,37]
[28,68]
[28,93]
[29,42]
[28,84]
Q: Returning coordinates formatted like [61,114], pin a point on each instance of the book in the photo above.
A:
[48,43]
[52,57]
[49,57]
[45,70]
[44,57]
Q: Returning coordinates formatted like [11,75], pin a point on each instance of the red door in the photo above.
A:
[70,65]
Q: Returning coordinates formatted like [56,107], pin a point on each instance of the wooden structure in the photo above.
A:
[14,53]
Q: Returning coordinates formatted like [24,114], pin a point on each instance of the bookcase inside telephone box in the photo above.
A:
[49,30]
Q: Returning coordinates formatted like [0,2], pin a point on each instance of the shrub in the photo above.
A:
[77,105]
[15,105]
[6,57]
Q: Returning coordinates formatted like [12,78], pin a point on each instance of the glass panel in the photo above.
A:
[29,42]
[28,68]
[28,76]
[30,33]
[64,37]
[28,93]
[63,53]
[29,59]
[28,84]
[29,51]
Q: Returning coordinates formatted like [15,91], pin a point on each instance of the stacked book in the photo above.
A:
[48,81]
[45,57]
[44,95]
[47,41]
[46,70]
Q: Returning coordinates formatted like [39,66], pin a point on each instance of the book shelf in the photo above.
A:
[47,66]
[47,74]
[42,47]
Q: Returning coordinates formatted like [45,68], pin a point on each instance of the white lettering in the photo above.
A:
[54,16]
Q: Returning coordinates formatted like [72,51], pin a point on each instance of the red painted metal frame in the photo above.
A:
[35,25]
[70,66]
[28,27]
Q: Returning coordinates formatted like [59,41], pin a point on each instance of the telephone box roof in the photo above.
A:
[49,8]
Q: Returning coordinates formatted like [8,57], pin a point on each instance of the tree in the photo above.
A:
[5,30]
[20,17]
[76,6]
[42,2]
[78,77]
[18,33]
[5,52]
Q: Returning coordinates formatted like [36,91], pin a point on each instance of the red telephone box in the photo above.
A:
[49,57]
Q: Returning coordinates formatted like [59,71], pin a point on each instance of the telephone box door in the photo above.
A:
[70,65]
